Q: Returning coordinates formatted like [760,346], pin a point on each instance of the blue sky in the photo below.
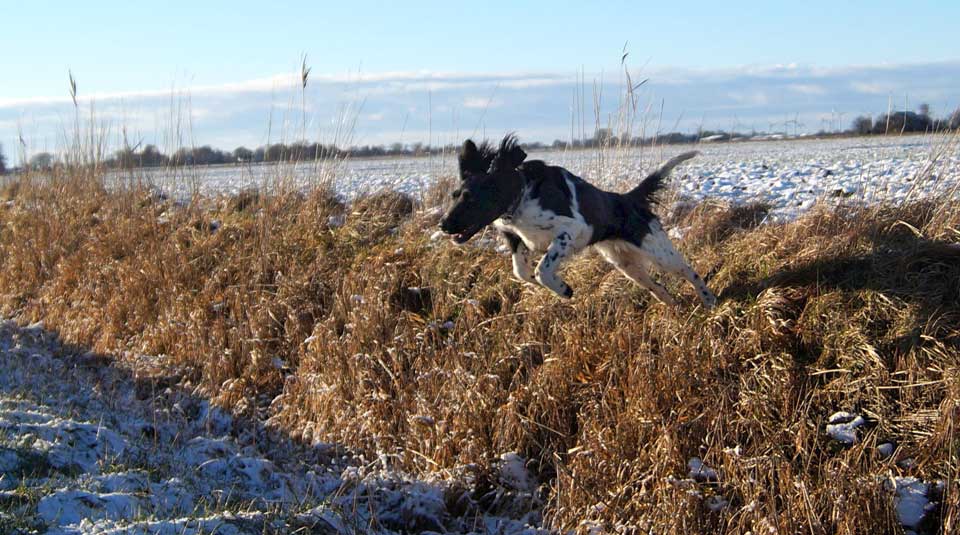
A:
[423,71]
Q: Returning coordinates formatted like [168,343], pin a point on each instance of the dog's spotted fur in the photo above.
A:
[547,214]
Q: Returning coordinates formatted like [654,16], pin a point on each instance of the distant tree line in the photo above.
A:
[604,137]
[150,156]
[899,122]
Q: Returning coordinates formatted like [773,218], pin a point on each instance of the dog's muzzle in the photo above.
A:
[459,237]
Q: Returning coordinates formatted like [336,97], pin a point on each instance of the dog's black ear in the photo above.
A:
[471,160]
[517,156]
[509,155]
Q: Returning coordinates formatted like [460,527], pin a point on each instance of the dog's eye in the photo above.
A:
[455,194]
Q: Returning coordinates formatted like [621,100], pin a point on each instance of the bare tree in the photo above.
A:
[3,161]
[924,109]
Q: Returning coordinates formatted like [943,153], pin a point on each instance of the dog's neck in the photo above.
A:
[515,204]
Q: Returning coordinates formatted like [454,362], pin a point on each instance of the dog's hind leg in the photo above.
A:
[632,266]
[658,249]
[546,271]
[523,264]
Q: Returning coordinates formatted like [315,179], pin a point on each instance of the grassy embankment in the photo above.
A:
[608,395]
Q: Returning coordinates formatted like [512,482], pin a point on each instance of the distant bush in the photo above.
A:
[242,154]
[41,160]
[862,125]
[954,121]
[902,121]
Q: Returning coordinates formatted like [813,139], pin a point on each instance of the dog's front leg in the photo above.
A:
[546,271]
[522,258]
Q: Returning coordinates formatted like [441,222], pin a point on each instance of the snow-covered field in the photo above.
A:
[87,448]
[791,175]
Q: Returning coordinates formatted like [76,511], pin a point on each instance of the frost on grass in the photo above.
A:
[81,454]
[702,482]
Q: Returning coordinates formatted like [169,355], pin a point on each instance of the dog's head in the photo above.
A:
[489,184]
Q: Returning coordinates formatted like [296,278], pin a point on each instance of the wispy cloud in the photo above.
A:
[808,89]
[535,104]
[750,99]
[481,103]
[248,86]
[381,83]
[871,88]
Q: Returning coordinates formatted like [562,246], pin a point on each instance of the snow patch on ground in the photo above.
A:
[81,453]
[842,427]
[912,500]
[701,472]
[886,449]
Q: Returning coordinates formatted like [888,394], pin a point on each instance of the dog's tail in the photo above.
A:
[648,188]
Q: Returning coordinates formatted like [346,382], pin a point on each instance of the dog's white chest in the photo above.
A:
[538,227]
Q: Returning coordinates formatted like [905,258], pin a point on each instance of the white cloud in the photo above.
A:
[256,85]
[749,98]
[481,103]
[808,89]
[871,88]
[375,83]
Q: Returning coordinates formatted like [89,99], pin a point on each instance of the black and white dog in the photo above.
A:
[547,214]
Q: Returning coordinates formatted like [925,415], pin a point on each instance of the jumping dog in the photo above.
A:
[547,214]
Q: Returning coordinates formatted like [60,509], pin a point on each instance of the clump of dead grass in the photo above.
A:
[350,325]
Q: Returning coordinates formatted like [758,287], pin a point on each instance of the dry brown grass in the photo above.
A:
[609,395]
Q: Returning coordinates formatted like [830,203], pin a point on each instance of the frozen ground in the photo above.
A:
[791,175]
[87,448]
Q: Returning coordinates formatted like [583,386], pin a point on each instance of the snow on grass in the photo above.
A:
[513,473]
[80,453]
[70,507]
[912,500]
[700,472]
[886,449]
[717,503]
[842,427]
